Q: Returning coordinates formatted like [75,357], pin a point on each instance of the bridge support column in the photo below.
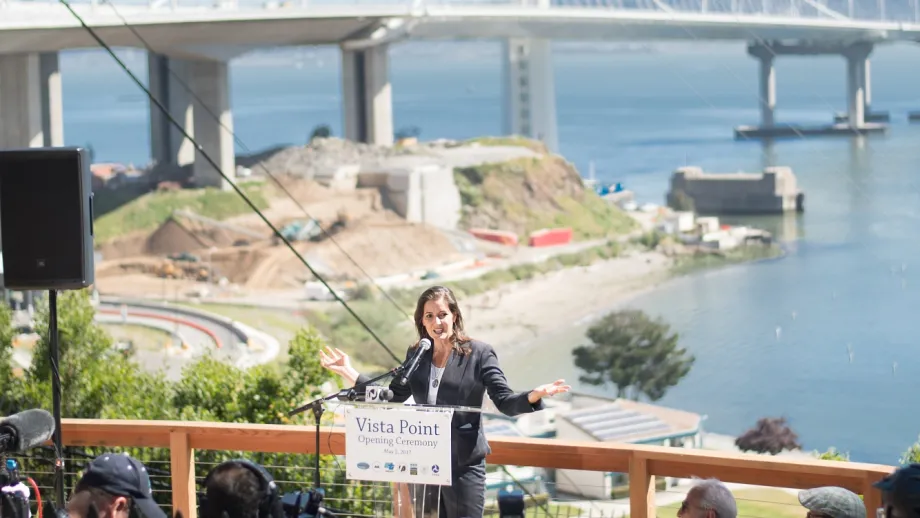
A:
[529,106]
[367,99]
[213,122]
[31,106]
[857,57]
[204,113]
[857,121]
[168,146]
[767,83]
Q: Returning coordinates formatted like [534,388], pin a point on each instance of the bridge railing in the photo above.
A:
[903,11]
[179,453]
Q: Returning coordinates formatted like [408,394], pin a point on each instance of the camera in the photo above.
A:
[305,504]
[14,493]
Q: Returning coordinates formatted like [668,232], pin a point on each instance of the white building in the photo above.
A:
[592,418]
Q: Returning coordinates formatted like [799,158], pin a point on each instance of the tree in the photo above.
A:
[911,455]
[407,132]
[770,435]
[93,375]
[100,383]
[636,354]
[321,131]
[832,454]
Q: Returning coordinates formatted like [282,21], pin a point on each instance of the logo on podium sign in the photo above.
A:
[398,445]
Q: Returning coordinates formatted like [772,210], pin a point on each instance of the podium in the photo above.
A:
[408,446]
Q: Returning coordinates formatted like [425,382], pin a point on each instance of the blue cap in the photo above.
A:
[120,474]
[905,480]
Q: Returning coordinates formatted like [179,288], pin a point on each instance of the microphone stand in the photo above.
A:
[349,394]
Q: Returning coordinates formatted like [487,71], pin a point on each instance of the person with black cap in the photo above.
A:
[114,483]
[901,492]
[832,502]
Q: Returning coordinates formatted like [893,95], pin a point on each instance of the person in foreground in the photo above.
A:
[709,498]
[457,370]
[113,485]
[901,492]
[240,489]
[832,502]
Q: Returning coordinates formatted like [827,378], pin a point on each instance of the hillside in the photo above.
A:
[504,183]
[528,194]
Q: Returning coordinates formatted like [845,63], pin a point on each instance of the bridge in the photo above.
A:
[190,43]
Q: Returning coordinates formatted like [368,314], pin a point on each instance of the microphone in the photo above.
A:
[378,394]
[25,430]
[423,345]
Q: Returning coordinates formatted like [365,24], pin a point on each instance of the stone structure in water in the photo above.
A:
[774,191]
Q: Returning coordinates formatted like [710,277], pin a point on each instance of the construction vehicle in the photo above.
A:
[183,270]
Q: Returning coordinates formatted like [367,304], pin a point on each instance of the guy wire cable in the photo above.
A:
[220,171]
[247,149]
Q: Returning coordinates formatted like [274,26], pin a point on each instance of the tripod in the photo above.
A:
[317,407]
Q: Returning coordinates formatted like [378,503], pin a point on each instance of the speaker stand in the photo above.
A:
[54,357]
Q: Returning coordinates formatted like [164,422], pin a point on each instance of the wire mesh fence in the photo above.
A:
[542,492]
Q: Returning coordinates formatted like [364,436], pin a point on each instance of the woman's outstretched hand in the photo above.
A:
[338,362]
[548,390]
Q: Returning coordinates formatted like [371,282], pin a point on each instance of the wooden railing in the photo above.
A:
[642,463]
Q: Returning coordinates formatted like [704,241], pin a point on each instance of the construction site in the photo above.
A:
[396,213]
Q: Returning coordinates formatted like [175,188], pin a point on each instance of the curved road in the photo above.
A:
[192,337]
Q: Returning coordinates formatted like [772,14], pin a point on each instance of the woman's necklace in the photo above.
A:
[439,359]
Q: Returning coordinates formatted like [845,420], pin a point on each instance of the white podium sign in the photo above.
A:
[398,445]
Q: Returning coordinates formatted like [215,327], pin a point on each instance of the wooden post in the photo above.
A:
[872,497]
[641,489]
[182,467]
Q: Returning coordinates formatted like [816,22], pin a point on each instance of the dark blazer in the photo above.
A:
[465,380]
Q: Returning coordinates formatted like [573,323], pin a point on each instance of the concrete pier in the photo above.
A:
[858,120]
[774,191]
[865,76]
[367,99]
[196,93]
[778,131]
[857,57]
[31,105]
[767,84]
[167,144]
[213,122]
[529,106]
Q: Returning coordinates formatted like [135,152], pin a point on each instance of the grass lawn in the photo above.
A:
[145,338]
[555,511]
[756,503]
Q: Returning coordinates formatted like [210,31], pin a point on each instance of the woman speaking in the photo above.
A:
[457,370]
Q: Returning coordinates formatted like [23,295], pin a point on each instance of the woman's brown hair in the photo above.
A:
[459,338]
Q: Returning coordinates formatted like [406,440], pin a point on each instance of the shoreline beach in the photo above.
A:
[510,316]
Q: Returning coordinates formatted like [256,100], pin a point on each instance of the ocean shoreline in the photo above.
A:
[496,318]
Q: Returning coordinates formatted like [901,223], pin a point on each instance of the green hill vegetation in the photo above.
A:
[150,210]
[528,194]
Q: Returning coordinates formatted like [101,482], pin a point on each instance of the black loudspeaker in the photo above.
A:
[46,219]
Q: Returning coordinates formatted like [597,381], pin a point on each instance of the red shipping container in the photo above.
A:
[496,236]
[551,237]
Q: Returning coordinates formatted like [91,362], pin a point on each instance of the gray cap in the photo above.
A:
[836,502]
